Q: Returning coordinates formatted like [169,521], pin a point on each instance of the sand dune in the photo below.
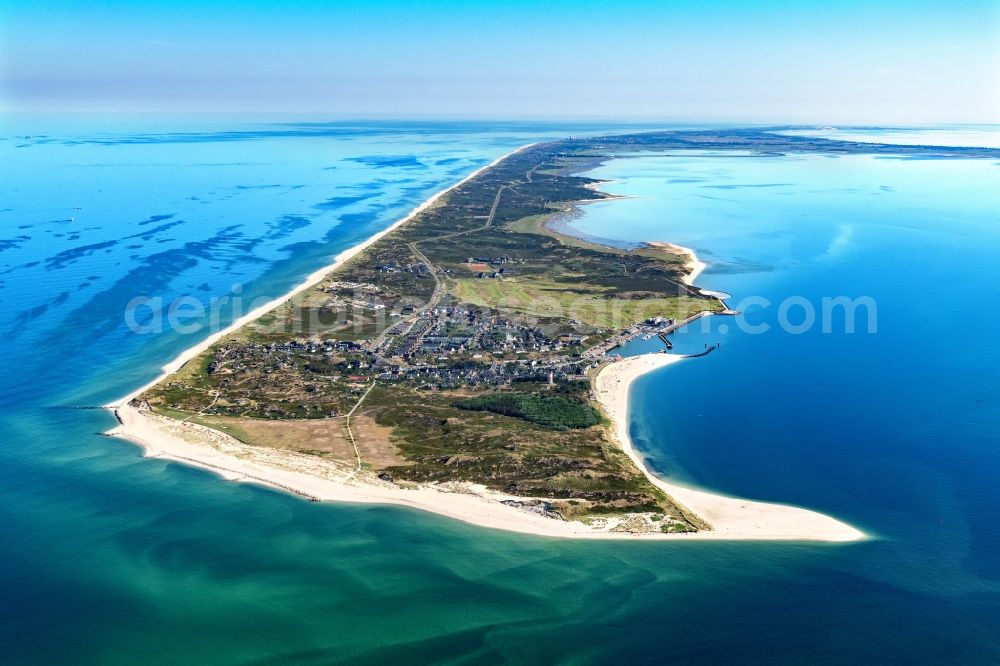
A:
[320,479]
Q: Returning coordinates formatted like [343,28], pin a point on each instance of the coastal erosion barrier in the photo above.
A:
[660,331]
[243,475]
[707,351]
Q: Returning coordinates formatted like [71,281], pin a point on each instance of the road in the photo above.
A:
[439,287]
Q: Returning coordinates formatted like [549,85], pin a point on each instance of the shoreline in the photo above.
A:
[312,279]
[324,480]
[730,518]
[694,265]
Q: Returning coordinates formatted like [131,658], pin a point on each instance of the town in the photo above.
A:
[461,348]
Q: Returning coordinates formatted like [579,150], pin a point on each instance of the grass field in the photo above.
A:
[539,224]
[324,437]
[588,304]
[286,380]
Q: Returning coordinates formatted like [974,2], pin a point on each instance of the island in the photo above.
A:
[463,362]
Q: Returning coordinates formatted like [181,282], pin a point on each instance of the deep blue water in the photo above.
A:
[110,558]
[896,432]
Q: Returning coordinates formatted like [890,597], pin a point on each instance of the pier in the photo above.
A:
[708,350]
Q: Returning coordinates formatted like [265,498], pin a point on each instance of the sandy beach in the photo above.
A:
[729,517]
[311,280]
[325,480]
[694,265]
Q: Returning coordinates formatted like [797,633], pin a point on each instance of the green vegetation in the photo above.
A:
[459,319]
[591,305]
[547,411]
[581,471]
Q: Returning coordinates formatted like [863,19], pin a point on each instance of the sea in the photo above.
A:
[891,424]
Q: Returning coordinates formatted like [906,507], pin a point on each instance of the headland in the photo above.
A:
[462,362]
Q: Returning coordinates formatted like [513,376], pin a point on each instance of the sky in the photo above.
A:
[900,62]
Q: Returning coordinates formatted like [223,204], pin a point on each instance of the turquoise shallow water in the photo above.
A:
[109,558]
